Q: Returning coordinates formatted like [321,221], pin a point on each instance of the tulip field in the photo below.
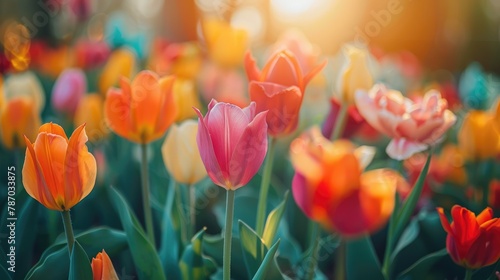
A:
[130,149]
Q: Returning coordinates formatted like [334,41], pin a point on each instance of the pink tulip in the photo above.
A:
[413,126]
[232,143]
[68,90]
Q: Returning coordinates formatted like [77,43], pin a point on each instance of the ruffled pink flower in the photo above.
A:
[413,126]
[68,90]
[232,143]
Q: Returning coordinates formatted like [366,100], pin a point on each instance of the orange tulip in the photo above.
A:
[90,111]
[58,172]
[143,110]
[472,242]
[331,188]
[102,267]
[120,63]
[479,138]
[18,117]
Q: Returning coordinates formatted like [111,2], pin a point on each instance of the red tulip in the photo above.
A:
[472,242]
[232,143]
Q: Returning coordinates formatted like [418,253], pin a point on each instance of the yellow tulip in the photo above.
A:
[90,110]
[354,75]
[180,153]
[188,64]
[120,63]
[479,138]
[186,98]
[226,44]
[24,84]
[18,117]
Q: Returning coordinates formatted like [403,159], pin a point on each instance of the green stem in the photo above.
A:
[313,249]
[179,206]
[148,217]
[468,274]
[192,210]
[341,263]
[68,229]
[386,266]
[264,188]
[18,162]
[228,235]
[339,123]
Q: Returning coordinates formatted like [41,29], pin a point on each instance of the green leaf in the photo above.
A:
[146,260]
[361,260]
[4,274]
[253,248]
[273,221]
[193,264]
[79,265]
[262,272]
[411,201]
[26,229]
[409,235]
[422,266]
[172,225]
[54,262]
[213,246]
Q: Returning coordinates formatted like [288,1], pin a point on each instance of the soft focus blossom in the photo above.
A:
[282,103]
[121,63]
[226,44]
[494,198]
[232,143]
[282,68]
[90,54]
[473,87]
[181,155]
[24,84]
[58,172]
[81,9]
[50,60]
[141,111]
[354,75]
[225,85]
[479,138]
[354,120]
[401,71]
[413,126]
[472,242]
[330,187]
[297,43]
[18,117]
[180,59]
[91,112]
[186,97]
[102,267]
[68,90]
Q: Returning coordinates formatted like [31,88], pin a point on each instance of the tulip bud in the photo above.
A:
[102,267]
[354,75]
[91,112]
[68,90]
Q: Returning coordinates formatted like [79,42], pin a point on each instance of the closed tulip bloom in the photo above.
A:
[186,97]
[413,126]
[181,154]
[91,112]
[143,110]
[24,84]
[68,90]
[282,103]
[226,44]
[282,68]
[479,138]
[18,117]
[121,63]
[232,143]
[58,172]
[331,188]
[472,242]
[102,267]
[354,75]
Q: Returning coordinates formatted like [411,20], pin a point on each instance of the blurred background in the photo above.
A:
[442,34]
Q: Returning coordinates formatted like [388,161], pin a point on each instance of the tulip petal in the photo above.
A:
[368,109]
[484,216]
[251,69]
[53,129]
[444,220]
[311,74]
[401,148]
[168,107]
[302,194]
[117,113]
[146,102]
[207,152]
[249,152]
[283,69]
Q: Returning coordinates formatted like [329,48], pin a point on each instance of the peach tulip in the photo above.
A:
[413,126]
[232,143]
[58,172]
[102,267]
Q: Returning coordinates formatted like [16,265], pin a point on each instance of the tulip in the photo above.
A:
[226,44]
[479,138]
[58,172]
[413,126]
[225,85]
[143,110]
[331,188]
[24,84]
[180,59]
[494,199]
[186,98]
[90,54]
[91,112]
[232,143]
[102,267]
[120,63]
[51,61]
[282,103]
[472,242]
[180,153]
[297,43]
[68,90]
[353,123]
[282,68]
[82,9]
[354,75]
[473,87]
[18,118]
